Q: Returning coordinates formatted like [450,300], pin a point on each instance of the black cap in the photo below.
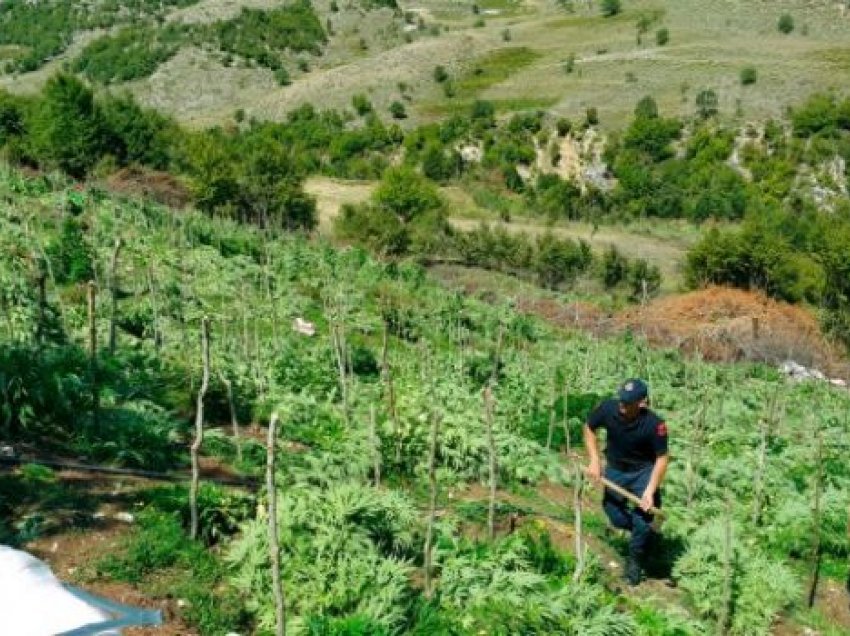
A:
[633,390]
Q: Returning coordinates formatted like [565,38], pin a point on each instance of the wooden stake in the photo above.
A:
[113,293]
[386,371]
[199,428]
[95,393]
[566,417]
[432,501]
[274,538]
[816,519]
[551,431]
[234,423]
[724,621]
[376,446]
[491,447]
[578,490]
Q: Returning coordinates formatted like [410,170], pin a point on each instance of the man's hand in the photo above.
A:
[594,471]
[647,501]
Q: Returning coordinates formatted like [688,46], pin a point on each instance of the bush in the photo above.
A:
[614,267]
[786,23]
[707,103]
[749,75]
[563,126]
[397,110]
[592,116]
[662,36]
[610,7]
[361,104]
[440,74]
[644,280]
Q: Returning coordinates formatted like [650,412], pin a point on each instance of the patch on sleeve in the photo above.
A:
[661,429]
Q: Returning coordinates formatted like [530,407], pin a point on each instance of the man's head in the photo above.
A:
[632,394]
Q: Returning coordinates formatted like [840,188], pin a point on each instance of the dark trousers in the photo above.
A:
[624,515]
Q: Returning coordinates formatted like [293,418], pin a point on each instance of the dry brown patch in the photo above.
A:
[726,325]
[142,183]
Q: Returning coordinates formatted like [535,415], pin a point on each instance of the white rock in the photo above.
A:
[126,517]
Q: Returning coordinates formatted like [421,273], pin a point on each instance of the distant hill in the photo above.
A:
[204,60]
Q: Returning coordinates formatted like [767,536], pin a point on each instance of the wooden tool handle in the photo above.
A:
[610,485]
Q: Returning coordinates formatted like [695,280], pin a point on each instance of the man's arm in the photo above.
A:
[594,467]
[655,480]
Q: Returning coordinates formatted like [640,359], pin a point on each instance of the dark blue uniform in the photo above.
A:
[631,450]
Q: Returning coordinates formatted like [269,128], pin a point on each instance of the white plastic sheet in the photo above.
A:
[33,602]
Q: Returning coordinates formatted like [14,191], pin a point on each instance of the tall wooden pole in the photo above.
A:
[432,501]
[95,393]
[274,537]
[113,296]
[816,520]
[199,428]
[491,447]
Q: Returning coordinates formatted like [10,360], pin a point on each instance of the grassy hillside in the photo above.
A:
[750,451]
[519,53]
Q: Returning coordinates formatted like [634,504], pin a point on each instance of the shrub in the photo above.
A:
[611,7]
[506,35]
[362,105]
[749,75]
[614,267]
[563,126]
[662,36]
[644,280]
[646,108]
[706,102]
[397,110]
[786,23]
[592,116]
[440,74]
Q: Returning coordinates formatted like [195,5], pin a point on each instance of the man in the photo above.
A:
[636,460]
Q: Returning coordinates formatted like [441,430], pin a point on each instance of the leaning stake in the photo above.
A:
[199,428]
[274,541]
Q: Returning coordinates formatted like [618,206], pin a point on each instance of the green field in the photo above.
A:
[750,458]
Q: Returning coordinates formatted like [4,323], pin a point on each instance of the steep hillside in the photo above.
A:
[565,56]
[380,390]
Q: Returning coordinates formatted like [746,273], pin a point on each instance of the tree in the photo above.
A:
[270,193]
[786,23]
[68,129]
[706,102]
[11,117]
[138,135]
[407,194]
[611,7]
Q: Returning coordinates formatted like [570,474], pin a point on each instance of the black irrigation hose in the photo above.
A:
[249,483]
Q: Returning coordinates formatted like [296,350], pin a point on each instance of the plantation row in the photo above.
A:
[387,391]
